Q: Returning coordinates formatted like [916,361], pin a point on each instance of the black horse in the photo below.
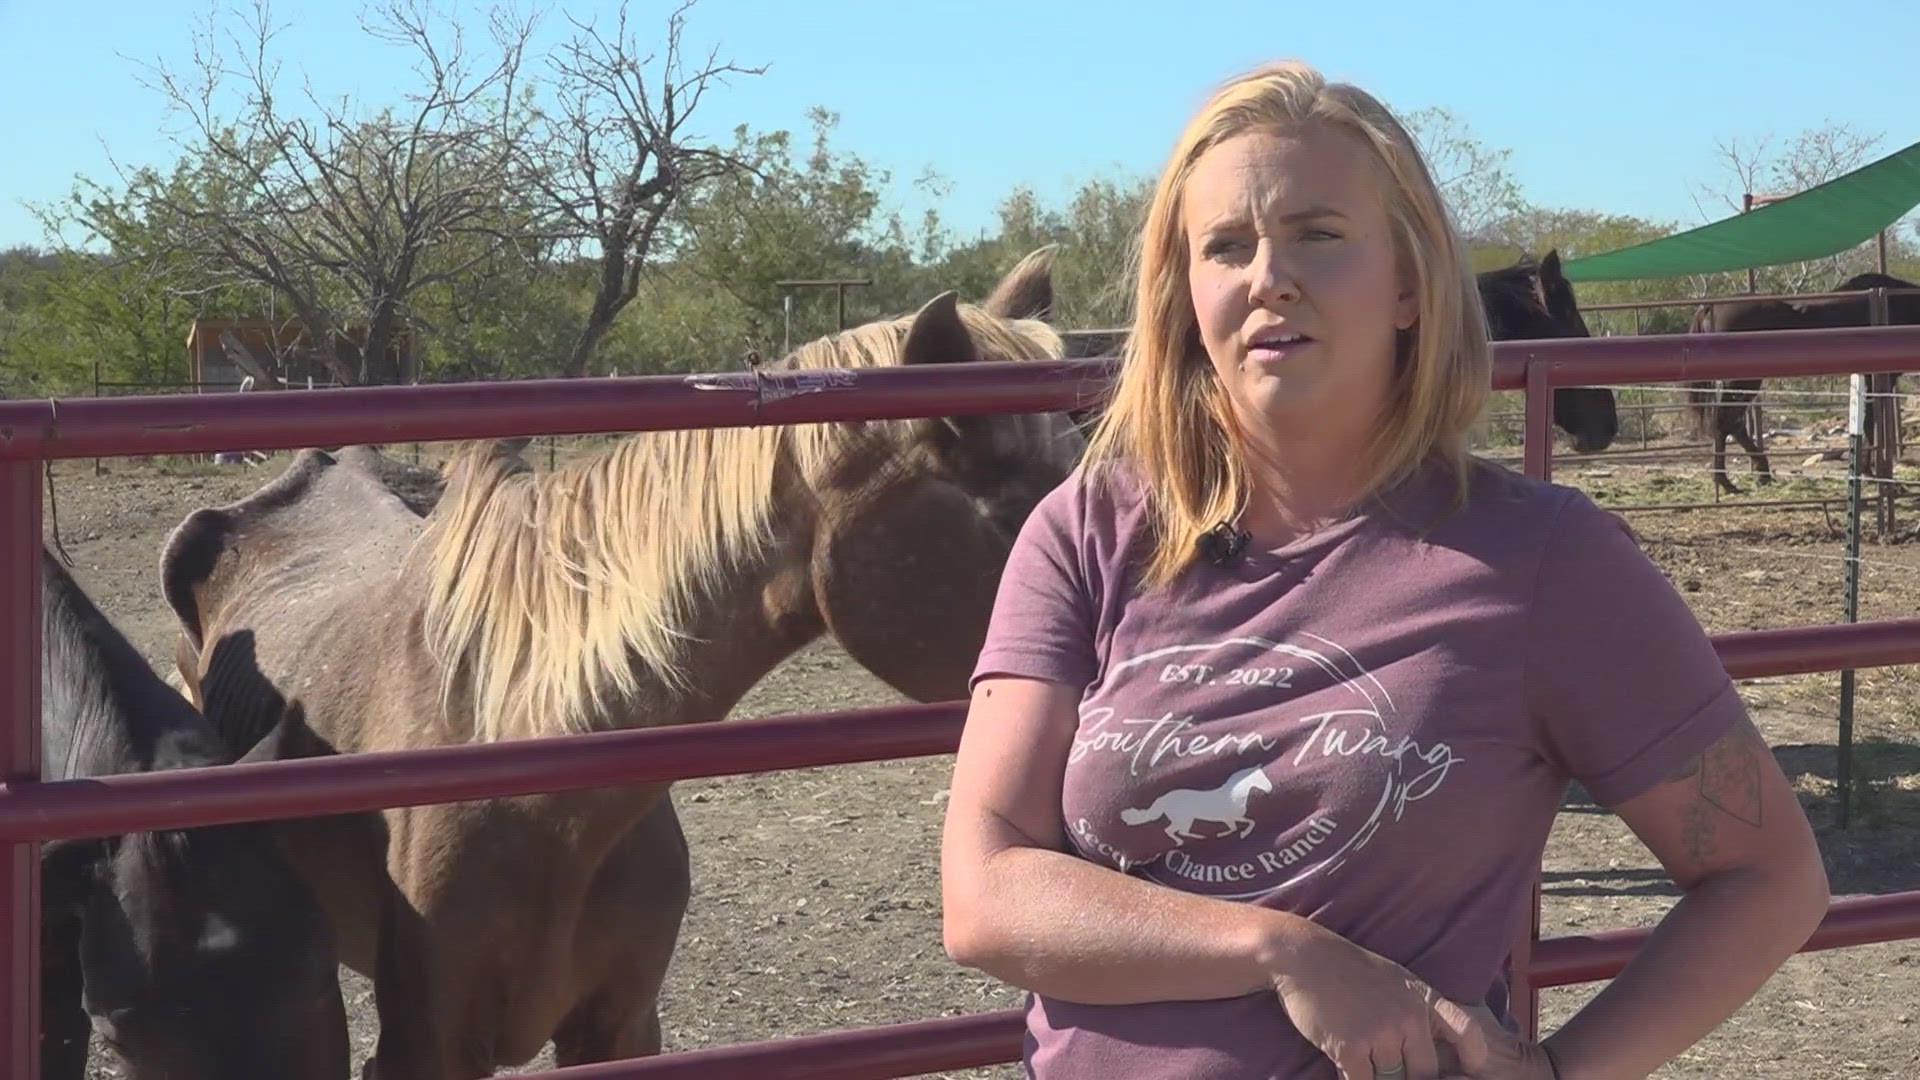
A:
[195,953]
[1526,301]
[1532,300]
[1730,408]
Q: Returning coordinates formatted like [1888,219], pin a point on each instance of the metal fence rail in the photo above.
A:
[32,432]
[964,1042]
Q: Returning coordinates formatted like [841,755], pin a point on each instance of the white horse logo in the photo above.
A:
[1226,804]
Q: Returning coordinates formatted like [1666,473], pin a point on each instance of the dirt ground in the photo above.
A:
[816,903]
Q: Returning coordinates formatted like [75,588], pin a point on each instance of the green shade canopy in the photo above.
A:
[1820,221]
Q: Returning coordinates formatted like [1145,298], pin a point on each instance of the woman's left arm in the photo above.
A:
[1733,837]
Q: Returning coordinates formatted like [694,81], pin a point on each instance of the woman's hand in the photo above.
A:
[1509,1056]
[1372,1017]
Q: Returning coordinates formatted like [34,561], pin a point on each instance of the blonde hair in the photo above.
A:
[1169,417]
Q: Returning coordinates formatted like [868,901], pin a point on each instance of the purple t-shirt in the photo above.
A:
[1372,727]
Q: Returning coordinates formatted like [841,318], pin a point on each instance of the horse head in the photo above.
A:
[912,535]
[1531,301]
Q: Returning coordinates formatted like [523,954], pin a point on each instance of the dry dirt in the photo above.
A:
[816,906]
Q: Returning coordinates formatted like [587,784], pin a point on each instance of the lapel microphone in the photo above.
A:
[1222,544]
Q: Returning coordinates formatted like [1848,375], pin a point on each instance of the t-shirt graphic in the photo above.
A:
[1214,800]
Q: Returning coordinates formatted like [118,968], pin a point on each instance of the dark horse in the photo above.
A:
[1532,300]
[1527,301]
[195,953]
[1730,408]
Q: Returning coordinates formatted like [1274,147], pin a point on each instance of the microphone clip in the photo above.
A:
[1223,544]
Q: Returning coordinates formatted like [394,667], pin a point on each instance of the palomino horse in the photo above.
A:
[1730,408]
[1527,301]
[198,954]
[652,584]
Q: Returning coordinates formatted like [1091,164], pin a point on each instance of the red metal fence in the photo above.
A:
[32,432]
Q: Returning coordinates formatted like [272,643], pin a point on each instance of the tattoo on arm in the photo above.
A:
[1728,776]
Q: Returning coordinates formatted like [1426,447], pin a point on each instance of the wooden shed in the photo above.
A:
[285,340]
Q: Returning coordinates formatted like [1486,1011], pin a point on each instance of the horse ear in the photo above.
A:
[1027,290]
[290,738]
[938,335]
[1550,265]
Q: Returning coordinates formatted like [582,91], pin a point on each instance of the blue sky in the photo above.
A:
[1606,106]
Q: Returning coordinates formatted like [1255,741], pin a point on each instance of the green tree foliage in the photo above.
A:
[342,215]
[1096,232]
[789,214]
[124,299]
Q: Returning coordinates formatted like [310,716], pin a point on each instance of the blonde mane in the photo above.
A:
[552,596]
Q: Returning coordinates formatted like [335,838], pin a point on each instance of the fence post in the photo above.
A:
[1886,448]
[1857,406]
[1538,459]
[1538,463]
[98,469]
[20,488]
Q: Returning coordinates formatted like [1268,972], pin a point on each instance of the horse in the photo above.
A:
[1527,301]
[194,953]
[651,583]
[1730,408]
[1223,805]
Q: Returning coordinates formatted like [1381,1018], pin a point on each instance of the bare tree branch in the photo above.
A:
[616,155]
[1763,167]
[345,217]
[1472,177]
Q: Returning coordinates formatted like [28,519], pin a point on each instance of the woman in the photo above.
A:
[1283,691]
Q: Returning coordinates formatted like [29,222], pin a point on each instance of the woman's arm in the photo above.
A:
[1019,907]
[1732,835]
[1023,909]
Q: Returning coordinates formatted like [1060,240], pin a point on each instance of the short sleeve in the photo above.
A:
[1623,684]
[1042,625]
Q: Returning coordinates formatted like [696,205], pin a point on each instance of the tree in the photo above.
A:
[90,310]
[1472,177]
[1765,166]
[24,326]
[615,157]
[1575,234]
[514,315]
[344,218]
[126,309]
[1760,167]
[782,217]
[1096,232]
[1578,233]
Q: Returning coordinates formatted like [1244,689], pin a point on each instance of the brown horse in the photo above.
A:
[1730,408]
[651,584]
[1527,301]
